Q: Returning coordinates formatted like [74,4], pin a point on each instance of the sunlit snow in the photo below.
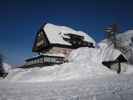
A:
[82,78]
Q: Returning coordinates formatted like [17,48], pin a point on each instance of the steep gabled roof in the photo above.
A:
[56,33]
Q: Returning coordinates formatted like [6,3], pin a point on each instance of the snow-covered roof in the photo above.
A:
[108,52]
[52,54]
[56,33]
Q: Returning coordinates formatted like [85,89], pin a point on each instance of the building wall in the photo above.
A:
[58,50]
[123,66]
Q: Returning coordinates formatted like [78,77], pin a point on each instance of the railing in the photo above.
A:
[43,60]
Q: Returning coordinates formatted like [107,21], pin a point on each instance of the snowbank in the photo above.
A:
[68,71]
[83,78]
[7,67]
[83,63]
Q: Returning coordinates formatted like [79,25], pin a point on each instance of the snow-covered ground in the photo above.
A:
[116,87]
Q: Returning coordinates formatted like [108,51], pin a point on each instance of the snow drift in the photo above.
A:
[83,78]
[83,63]
[7,67]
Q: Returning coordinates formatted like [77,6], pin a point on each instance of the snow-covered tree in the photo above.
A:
[121,41]
[124,43]
[1,66]
[2,70]
[131,48]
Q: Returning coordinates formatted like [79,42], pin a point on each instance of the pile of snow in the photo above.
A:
[56,33]
[107,51]
[83,63]
[104,52]
[7,67]
[68,71]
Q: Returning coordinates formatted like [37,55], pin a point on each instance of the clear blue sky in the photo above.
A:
[20,19]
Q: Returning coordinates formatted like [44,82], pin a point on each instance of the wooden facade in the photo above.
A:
[41,43]
[61,50]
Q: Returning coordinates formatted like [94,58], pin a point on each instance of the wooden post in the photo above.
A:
[114,30]
[119,67]
[111,34]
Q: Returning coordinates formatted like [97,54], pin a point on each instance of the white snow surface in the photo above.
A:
[114,87]
[7,67]
[52,54]
[83,63]
[56,33]
[108,52]
[83,78]
[126,37]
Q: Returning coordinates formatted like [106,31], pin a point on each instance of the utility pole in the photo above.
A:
[111,33]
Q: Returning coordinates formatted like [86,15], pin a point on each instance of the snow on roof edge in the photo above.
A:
[59,32]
